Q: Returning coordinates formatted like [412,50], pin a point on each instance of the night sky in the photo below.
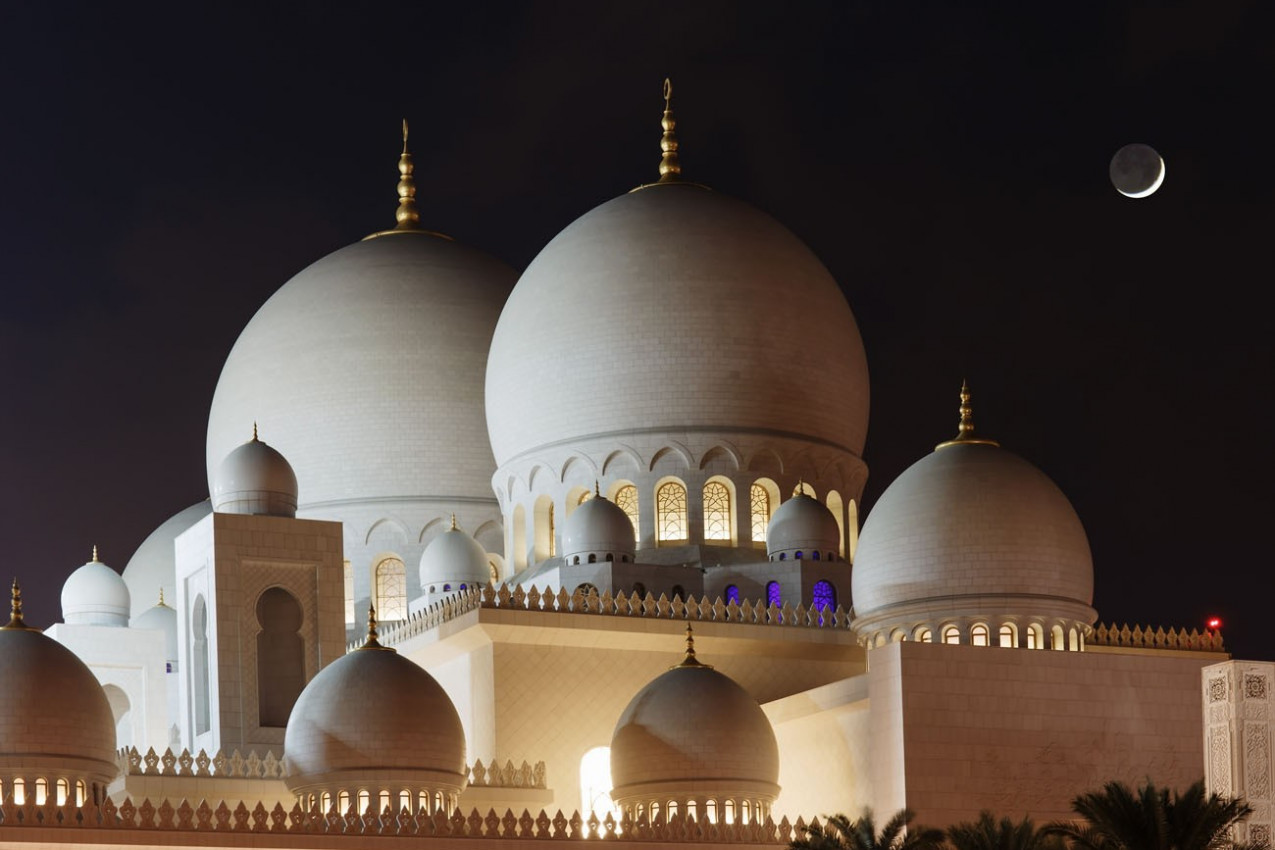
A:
[167,168]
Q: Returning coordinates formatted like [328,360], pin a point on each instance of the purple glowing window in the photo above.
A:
[773,596]
[732,594]
[825,595]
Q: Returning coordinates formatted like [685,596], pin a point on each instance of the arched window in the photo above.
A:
[824,596]
[199,649]
[773,594]
[732,594]
[951,634]
[670,512]
[280,656]
[63,791]
[759,509]
[1073,640]
[979,635]
[924,634]
[120,706]
[1008,635]
[898,636]
[1035,636]
[595,783]
[717,514]
[627,499]
[1057,634]
[391,589]
[833,500]
[495,572]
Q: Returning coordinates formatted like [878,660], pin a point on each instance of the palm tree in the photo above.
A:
[1151,818]
[838,832]
[987,833]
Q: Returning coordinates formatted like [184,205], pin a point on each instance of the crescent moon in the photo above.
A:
[1150,189]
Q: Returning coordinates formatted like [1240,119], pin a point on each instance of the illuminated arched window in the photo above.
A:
[1008,635]
[595,783]
[979,635]
[391,589]
[773,594]
[951,634]
[670,512]
[627,499]
[732,594]
[1035,636]
[1073,640]
[825,596]
[924,635]
[1057,634]
[717,516]
[759,509]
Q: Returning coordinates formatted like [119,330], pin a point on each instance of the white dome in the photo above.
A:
[372,719]
[598,527]
[255,479]
[971,530]
[802,524]
[693,734]
[456,558]
[152,571]
[683,306]
[95,595]
[55,720]
[366,371]
[164,619]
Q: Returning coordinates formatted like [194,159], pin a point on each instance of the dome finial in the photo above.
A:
[965,430]
[371,642]
[254,432]
[15,607]
[94,558]
[407,216]
[161,594]
[670,167]
[690,660]
[453,520]
[597,490]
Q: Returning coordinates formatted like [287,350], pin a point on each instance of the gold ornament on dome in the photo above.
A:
[407,216]
[965,431]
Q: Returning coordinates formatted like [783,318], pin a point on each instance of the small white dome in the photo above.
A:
[152,571]
[693,734]
[802,524]
[598,527]
[95,595]
[55,720]
[374,720]
[971,530]
[455,558]
[255,479]
[164,619]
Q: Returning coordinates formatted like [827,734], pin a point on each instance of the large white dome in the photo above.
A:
[95,595]
[971,531]
[366,371]
[687,311]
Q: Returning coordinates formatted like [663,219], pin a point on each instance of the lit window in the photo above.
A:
[1057,633]
[495,572]
[595,783]
[825,596]
[979,635]
[1035,636]
[670,512]
[717,519]
[1073,640]
[391,590]
[759,508]
[951,634]
[924,635]
[773,594]
[627,499]
[732,594]
[1007,636]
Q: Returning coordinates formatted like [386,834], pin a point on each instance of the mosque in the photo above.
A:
[576,554]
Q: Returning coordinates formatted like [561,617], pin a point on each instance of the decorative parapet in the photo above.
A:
[133,763]
[224,817]
[1210,640]
[617,605]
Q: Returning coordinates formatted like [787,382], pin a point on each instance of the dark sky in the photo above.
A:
[166,168]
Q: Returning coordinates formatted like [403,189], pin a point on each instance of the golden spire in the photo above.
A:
[407,216]
[670,167]
[690,660]
[965,431]
[597,491]
[453,520]
[15,606]
[371,642]
[254,432]
[94,551]
[161,595]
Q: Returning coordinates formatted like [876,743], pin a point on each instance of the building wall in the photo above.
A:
[1237,739]
[1023,731]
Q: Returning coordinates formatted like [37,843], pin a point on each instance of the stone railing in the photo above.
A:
[253,766]
[608,604]
[225,817]
[1209,640]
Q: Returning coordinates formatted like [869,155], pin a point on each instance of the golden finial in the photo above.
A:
[453,520]
[597,491]
[15,615]
[690,660]
[965,431]
[371,642]
[94,551]
[161,594]
[254,432]
[407,216]
[670,167]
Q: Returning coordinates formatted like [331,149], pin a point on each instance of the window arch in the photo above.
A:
[924,634]
[898,636]
[1073,640]
[774,595]
[759,511]
[1008,635]
[280,656]
[626,497]
[670,512]
[199,649]
[951,634]
[391,589]
[824,595]
[732,594]
[1035,636]
[979,635]
[1057,634]
[834,503]
[719,521]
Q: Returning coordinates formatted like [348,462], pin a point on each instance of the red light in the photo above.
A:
[1215,622]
